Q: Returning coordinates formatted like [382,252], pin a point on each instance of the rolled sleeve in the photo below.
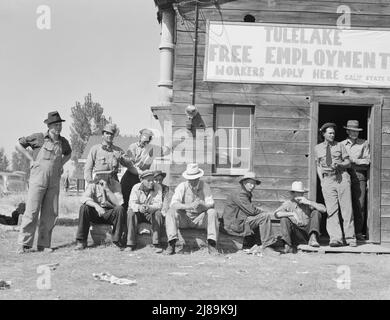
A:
[33,141]
[178,195]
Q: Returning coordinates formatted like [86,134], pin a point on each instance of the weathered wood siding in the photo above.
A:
[282,112]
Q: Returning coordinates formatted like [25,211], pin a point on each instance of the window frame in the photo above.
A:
[234,171]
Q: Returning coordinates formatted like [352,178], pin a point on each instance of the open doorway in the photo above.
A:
[340,114]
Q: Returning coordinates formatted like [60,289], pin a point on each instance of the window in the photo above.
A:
[233,139]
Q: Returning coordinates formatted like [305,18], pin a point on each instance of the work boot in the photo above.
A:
[352,243]
[269,251]
[335,243]
[171,248]
[313,241]
[44,249]
[157,248]
[24,249]
[360,237]
[81,245]
[212,247]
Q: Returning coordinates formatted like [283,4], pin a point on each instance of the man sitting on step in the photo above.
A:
[192,206]
[300,219]
[242,218]
[102,204]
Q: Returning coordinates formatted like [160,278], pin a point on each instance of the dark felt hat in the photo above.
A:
[53,117]
[328,125]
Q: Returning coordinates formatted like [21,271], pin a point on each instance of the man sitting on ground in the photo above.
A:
[102,204]
[192,206]
[300,219]
[242,218]
[145,206]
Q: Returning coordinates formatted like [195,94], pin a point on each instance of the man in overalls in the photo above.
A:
[50,152]
[332,161]
[359,154]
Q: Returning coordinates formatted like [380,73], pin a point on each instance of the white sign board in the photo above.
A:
[312,55]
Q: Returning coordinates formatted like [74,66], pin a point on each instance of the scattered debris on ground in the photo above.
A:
[105,276]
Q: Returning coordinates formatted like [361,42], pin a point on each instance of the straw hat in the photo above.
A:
[193,172]
[297,186]
[353,125]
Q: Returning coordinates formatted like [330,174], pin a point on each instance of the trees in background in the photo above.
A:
[20,163]
[4,162]
[88,119]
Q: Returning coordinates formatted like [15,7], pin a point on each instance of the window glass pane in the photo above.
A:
[223,138]
[223,158]
[224,116]
[242,138]
[241,159]
[242,117]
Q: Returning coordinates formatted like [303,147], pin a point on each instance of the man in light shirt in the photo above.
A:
[359,154]
[192,206]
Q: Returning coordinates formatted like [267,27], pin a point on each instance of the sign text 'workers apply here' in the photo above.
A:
[261,53]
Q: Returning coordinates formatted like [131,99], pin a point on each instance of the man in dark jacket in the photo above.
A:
[242,218]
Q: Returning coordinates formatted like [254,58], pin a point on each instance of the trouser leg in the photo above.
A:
[208,220]
[314,223]
[49,215]
[28,226]
[157,224]
[263,222]
[286,229]
[358,190]
[329,191]
[345,199]
[132,223]
[117,218]
[174,220]
[87,215]
[127,182]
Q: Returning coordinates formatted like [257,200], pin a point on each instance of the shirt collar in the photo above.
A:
[143,189]
[196,188]
[47,135]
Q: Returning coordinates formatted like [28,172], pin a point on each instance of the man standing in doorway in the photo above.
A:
[50,152]
[332,161]
[359,154]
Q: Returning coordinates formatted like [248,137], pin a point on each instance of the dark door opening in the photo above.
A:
[340,114]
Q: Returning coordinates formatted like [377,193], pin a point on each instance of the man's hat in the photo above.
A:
[110,128]
[297,186]
[159,173]
[327,125]
[249,175]
[146,134]
[53,117]
[353,125]
[146,173]
[193,172]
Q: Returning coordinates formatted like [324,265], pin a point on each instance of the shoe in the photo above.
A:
[269,251]
[352,243]
[335,243]
[360,237]
[118,244]
[24,249]
[212,248]
[80,245]
[130,248]
[313,241]
[171,248]
[44,249]
[157,248]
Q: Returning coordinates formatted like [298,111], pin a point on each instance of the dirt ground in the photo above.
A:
[189,276]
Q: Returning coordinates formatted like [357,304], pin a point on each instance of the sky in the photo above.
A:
[108,48]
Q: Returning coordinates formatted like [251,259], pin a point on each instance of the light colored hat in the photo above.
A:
[193,172]
[297,186]
[353,125]
[111,128]
[249,175]
[147,134]
[146,173]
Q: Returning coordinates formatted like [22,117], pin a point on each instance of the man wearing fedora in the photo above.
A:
[300,219]
[145,206]
[106,155]
[142,154]
[332,163]
[50,151]
[242,218]
[102,204]
[159,177]
[192,206]
[359,154]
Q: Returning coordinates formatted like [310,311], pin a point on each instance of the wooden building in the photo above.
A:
[278,114]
